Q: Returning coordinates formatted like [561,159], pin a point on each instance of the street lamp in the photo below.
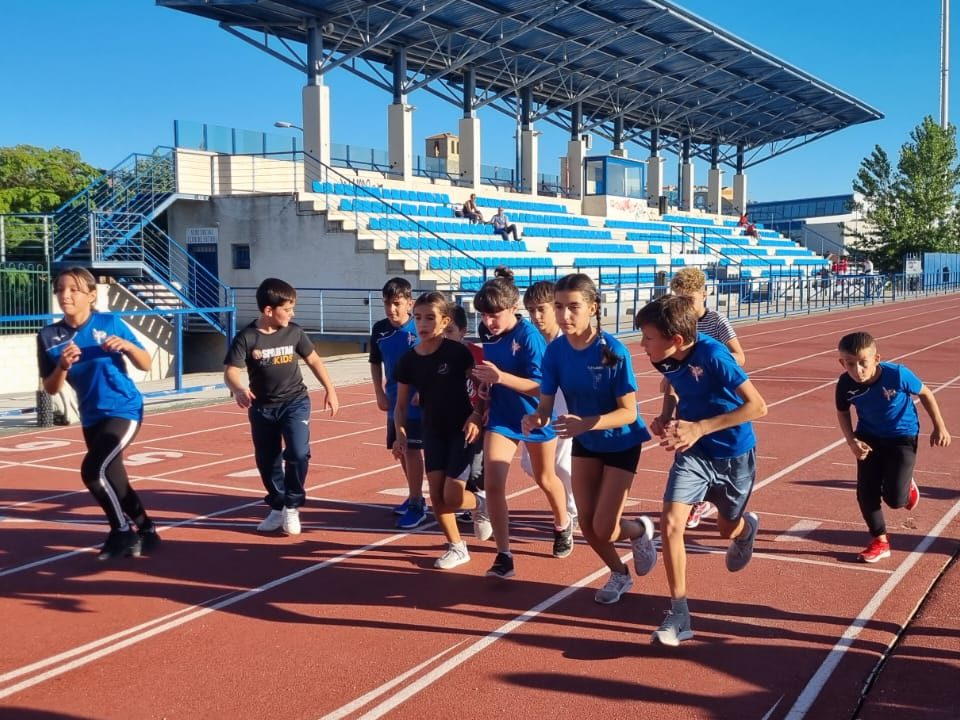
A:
[285,124]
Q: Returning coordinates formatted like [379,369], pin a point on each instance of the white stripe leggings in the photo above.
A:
[105,476]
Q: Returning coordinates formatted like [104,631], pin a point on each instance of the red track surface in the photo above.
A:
[350,619]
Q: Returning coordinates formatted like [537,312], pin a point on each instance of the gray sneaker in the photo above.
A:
[741,550]
[617,585]
[673,630]
[482,529]
[455,555]
[644,551]
[273,521]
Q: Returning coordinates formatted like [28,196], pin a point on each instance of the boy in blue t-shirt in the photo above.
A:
[390,340]
[885,440]
[713,439]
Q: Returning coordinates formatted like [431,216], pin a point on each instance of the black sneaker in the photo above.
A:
[149,539]
[120,543]
[502,566]
[563,541]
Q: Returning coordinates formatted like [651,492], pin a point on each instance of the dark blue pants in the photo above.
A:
[281,446]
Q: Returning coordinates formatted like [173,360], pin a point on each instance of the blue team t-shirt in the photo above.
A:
[104,389]
[706,381]
[518,352]
[590,388]
[388,344]
[884,407]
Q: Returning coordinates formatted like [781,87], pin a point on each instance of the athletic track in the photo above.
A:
[349,620]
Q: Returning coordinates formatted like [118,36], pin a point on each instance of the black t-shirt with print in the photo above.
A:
[440,378]
[272,361]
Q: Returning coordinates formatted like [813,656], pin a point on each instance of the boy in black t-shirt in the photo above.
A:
[438,369]
[276,400]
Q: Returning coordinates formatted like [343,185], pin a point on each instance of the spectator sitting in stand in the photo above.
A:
[751,230]
[502,226]
[744,221]
[470,210]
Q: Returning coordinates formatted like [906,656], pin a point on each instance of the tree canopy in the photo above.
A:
[912,208]
[35,180]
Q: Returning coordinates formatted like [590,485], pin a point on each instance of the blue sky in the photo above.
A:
[108,77]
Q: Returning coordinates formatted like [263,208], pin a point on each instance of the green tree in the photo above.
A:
[35,180]
[913,208]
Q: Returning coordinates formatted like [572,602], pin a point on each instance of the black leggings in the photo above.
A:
[104,475]
[884,475]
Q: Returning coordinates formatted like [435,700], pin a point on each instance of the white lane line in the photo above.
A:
[798,532]
[182,451]
[816,684]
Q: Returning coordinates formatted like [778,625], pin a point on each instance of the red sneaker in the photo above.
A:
[914,497]
[877,550]
[696,513]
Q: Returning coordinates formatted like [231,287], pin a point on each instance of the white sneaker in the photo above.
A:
[455,555]
[272,522]
[617,585]
[482,529]
[673,630]
[291,521]
[644,551]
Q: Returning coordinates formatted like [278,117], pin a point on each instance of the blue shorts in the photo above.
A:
[726,482]
[414,433]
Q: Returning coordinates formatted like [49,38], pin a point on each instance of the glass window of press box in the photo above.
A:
[610,175]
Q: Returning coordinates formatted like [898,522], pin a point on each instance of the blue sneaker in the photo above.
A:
[415,515]
[402,507]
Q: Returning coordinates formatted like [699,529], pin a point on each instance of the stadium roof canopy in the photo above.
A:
[648,62]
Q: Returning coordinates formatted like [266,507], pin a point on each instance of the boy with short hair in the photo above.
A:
[714,443]
[277,401]
[390,339]
[885,440]
[692,283]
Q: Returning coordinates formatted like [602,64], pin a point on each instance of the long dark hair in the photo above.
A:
[578,282]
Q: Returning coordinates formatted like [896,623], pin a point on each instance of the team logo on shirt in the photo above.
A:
[597,371]
[443,369]
[697,372]
[411,339]
[889,393]
[514,347]
[99,336]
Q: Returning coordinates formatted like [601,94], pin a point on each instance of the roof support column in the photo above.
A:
[715,182]
[529,155]
[618,149]
[576,150]
[740,185]
[400,123]
[654,169]
[686,178]
[469,134]
[316,113]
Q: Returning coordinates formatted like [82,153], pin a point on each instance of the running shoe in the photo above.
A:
[644,551]
[455,555]
[120,543]
[674,629]
[415,515]
[482,528]
[502,566]
[149,538]
[402,507]
[272,522]
[617,585]
[291,521]
[696,514]
[741,549]
[877,550]
[563,541]
[914,497]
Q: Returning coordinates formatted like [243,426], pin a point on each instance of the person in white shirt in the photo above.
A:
[502,226]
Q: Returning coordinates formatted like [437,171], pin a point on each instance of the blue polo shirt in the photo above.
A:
[591,388]
[884,407]
[706,381]
[519,352]
[388,344]
[104,389]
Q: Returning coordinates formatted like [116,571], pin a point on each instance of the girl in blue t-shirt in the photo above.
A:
[513,351]
[593,370]
[87,349]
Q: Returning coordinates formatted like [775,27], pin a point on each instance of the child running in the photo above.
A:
[438,368]
[88,350]
[276,400]
[390,339]
[714,443]
[514,351]
[692,283]
[885,440]
[538,301]
[594,371]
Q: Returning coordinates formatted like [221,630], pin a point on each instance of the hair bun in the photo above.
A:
[504,272]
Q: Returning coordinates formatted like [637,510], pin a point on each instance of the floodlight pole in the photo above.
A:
[944,63]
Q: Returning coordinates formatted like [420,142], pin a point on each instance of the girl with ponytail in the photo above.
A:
[593,370]
[513,351]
